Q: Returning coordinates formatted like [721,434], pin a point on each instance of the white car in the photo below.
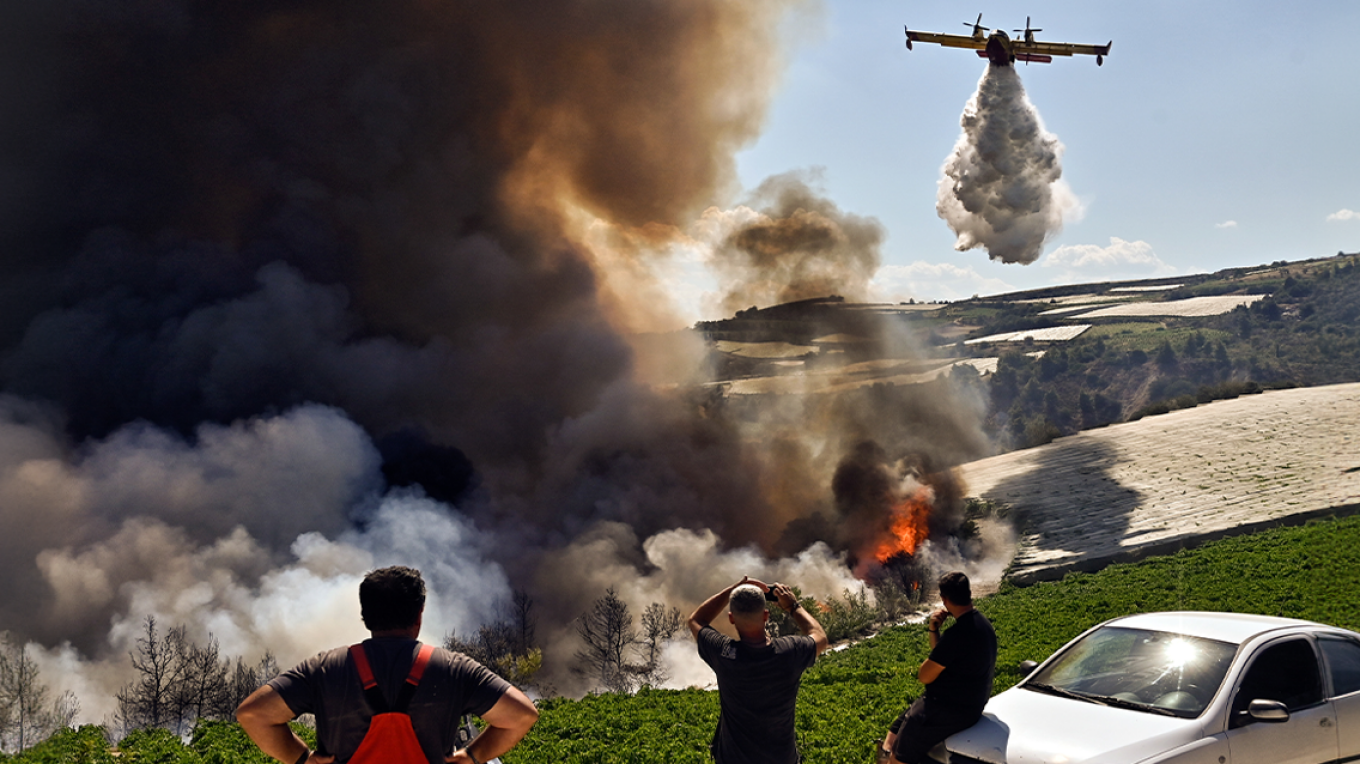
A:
[1190,688]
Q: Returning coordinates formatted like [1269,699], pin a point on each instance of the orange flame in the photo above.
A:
[909,527]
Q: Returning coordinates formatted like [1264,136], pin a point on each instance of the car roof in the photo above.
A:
[1226,627]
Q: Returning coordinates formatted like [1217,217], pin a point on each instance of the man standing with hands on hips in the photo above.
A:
[758,677]
[957,675]
[389,698]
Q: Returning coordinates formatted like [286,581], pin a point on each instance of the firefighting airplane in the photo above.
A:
[1003,51]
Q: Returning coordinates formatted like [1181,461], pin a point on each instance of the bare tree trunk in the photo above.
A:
[25,717]
[658,625]
[203,683]
[607,630]
[150,701]
[523,620]
[245,680]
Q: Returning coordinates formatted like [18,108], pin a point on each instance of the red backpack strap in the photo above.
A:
[361,662]
[413,678]
[372,692]
[418,667]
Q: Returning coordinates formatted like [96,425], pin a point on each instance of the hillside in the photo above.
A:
[1124,420]
[1161,483]
[1057,361]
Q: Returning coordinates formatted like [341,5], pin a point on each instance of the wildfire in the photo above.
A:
[909,526]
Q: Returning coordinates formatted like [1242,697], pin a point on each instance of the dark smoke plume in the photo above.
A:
[291,290]
[1002,187]
[247,241]
[796,245]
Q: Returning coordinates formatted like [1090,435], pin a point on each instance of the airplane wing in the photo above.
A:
[947,40]
[1020,47]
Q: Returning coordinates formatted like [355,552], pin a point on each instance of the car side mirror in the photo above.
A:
[1027,667]
[1268,711]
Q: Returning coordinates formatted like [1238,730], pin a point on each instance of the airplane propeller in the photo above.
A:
[1027,31]
[977,25]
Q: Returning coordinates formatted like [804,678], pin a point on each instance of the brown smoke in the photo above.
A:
[293,289]
[220,212]
[799,245]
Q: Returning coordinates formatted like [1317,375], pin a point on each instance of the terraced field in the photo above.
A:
[1188,308]
[1164,482]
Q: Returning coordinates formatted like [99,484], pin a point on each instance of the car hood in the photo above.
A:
[1026,727]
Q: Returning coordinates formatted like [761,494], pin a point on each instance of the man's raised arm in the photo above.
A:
[801,617]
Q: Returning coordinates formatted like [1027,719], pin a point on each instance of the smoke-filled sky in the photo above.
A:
[293,290]
[1216,135]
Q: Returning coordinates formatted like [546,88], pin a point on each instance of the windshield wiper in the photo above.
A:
[1065,693]
[1132,704]
[1101,700]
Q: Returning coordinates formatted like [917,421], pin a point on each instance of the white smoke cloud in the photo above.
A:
[257,533]
[983,558]
[1226,224]
[1002,188]
[1343,215]
[1121,259]
[679,568]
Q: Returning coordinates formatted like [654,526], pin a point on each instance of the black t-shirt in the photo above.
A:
[967,650]
[757,692]
[328,686]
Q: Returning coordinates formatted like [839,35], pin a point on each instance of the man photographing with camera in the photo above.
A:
[758,676]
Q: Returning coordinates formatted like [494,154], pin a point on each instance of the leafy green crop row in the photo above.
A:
[213,742]
[850,696]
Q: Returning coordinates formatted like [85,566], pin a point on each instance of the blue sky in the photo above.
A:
[1216,134]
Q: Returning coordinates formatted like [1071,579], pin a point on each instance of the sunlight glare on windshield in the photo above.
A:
[1180,652]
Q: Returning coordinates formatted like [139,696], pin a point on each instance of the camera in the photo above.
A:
[770,595]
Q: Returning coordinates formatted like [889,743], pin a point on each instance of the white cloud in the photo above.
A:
[931,281]
[1121,260]
[1226,224]
[1340,215]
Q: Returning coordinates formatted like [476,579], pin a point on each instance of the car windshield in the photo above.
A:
[1152,671]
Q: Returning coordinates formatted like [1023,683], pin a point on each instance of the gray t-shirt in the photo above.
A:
[757,692]
[328,686]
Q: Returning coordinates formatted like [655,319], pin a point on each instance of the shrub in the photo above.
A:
[85,745]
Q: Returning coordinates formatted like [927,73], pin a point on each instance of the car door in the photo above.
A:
[1342,657]
[1285,670]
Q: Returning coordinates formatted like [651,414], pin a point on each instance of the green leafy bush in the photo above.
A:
[85,745]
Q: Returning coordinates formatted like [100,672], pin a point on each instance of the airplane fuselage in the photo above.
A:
[998,49]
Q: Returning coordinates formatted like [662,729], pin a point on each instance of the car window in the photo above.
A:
[1343,663]
[1285,671]
[1159,670]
